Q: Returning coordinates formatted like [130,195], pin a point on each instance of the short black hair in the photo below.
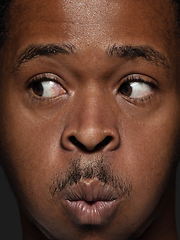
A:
[4,4]
[176,4]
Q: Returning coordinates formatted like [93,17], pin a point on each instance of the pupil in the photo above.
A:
[38,89]
[126,89]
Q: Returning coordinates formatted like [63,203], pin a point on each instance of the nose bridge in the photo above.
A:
[92,109]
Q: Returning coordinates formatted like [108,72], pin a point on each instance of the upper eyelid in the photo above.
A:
[140,78]
[45,77]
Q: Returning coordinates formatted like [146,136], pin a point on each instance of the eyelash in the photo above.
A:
[40,78]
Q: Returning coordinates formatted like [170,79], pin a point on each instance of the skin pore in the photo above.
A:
[90,110]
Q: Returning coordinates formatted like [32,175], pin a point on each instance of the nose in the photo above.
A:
[90,131]
[90,139]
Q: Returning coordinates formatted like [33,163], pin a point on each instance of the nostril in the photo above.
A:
[99,146]
[104,143]
[75,142]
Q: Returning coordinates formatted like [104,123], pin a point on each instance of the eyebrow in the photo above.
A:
[143,51]
[34,51]
[124,51]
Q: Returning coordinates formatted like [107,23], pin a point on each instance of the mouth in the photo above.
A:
[90,203]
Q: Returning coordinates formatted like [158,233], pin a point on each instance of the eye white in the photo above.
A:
[140,89]
[51,89]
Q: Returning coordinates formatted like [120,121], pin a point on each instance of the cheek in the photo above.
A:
[149,157]
[32,159]
[29,150]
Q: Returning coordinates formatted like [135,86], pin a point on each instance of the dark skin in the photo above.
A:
[91,85]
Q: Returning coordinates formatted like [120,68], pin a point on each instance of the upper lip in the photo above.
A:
[91,191]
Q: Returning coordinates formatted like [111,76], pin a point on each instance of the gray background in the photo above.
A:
[9,216]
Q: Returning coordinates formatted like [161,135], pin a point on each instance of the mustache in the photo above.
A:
[81,170]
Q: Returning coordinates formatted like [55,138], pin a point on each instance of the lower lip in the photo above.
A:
[96,213]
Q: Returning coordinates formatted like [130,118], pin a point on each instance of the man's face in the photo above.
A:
[90,114]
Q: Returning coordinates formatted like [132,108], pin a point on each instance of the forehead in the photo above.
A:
[91,22]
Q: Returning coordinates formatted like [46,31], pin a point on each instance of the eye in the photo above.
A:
[47,89]
[46,86]
[136,90]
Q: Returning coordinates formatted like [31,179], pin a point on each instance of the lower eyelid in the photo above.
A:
[33,100]
[140,101]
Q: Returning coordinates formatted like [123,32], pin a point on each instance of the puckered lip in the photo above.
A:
[90,202]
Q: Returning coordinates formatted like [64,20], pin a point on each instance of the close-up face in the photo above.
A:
[90,115]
